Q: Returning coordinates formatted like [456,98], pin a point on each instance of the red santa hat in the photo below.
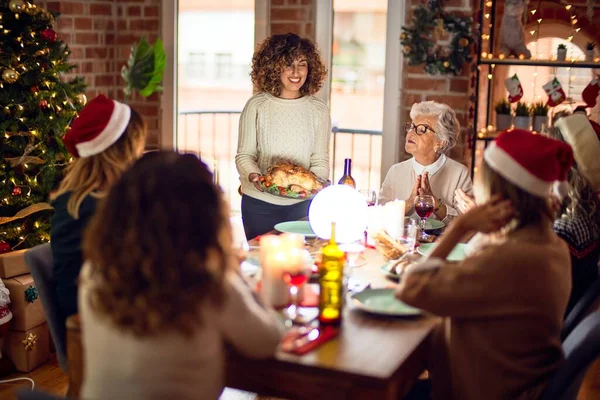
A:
[99,125]
[584,136]
[535,163]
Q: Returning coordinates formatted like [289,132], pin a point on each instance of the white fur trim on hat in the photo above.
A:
[515,173]
[117,123]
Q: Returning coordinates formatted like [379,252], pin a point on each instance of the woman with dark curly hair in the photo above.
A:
[159,292]
[284,121]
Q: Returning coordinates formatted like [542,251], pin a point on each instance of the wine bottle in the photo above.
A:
[347,179]
[331,282]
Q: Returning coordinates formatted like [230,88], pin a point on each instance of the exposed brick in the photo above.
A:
[277,2]
[459,85]
[426,84]
[104,80]
[86,38]
[288,14]
[83,23]
[279,28]
[151,11]
[64,23]
[101,9]
[135,11]
[457,102]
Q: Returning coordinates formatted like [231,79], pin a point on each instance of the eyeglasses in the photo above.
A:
[419,129]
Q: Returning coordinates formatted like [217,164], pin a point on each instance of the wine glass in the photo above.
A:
[370,196]
[353,254]
[296,274]
[424,206]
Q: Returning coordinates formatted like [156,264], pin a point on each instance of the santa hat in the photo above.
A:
[584,136]
[99,125]
[535,163]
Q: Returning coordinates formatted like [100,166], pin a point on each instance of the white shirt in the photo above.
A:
[431,168]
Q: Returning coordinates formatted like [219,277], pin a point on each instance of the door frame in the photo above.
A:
[392,135]
[168,98]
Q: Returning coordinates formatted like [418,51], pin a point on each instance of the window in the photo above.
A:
[197,65]
[223,66]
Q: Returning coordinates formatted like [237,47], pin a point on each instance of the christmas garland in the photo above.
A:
[420,47]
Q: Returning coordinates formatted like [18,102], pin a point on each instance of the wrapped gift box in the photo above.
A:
[27,350]
[13,264]
[25,305]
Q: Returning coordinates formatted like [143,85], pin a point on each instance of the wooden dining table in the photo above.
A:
[373,357]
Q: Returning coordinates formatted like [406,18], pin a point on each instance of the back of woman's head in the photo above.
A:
[159,246]
[95,173]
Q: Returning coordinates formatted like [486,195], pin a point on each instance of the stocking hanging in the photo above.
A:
[515,90]
[591,92]
[555,92]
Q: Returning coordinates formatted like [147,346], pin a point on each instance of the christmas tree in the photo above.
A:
[37,105]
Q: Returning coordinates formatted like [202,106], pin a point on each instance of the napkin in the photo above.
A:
[313,338]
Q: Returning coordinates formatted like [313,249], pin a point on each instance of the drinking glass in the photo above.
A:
[409,235]
[296,276]
[370,196]
[424,206]
[353,254]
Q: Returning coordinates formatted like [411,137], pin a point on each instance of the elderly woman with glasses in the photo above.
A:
[432,132]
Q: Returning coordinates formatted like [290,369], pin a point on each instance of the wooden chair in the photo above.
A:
[75,356]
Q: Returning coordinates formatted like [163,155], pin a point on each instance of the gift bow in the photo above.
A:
[29,341]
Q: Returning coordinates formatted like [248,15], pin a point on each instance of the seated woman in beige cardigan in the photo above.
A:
[432,132]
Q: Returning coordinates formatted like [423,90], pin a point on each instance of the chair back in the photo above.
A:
[39,261]
[581,309]
[36,395]
[582,348]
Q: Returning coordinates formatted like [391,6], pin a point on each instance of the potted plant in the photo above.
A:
[540,115]
[503,117]
[522,116]
[589,51]
[561,52]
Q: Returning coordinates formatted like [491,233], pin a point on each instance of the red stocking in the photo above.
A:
[555,92]
[515,90]
[591,92]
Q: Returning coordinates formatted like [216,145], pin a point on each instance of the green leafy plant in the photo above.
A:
[562,47]
[590,46]
[540,109]
[522,110]
[145,68]
[502,107]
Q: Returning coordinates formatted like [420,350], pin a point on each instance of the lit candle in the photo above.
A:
[394,218]
[293,240]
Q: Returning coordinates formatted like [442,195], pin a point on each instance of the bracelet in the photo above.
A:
[438,205]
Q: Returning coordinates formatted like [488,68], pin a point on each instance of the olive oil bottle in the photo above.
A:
[331,282]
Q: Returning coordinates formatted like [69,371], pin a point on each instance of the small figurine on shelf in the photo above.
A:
[561,52]
[503,117]
[512,32]
[589,51]
[540,115]
[522,116]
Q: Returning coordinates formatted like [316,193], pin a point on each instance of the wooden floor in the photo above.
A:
[50,378]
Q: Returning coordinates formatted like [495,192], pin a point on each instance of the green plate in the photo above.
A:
[457,254]
[385,268]
[301,227]
[382,302]
[433,225]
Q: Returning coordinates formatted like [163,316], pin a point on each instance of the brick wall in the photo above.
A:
[296,16]
[100,34]
[451,90]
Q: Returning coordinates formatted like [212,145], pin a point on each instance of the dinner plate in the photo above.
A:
[433,225]
[386,269]
[457,254]
[250,267]
[382,302]
[301,227]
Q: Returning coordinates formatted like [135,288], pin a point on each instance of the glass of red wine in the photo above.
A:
[424,206]
[296,275]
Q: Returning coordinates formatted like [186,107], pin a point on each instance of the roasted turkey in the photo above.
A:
[293,177]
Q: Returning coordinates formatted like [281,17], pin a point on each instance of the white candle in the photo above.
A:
[394,218]
[273,256]
[293,240]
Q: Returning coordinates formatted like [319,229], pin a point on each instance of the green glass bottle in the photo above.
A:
[331,282]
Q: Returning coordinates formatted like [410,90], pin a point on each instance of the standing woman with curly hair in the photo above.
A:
[105,140]
[284,121]
[160,292]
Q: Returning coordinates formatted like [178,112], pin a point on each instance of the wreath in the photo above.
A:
[420,47]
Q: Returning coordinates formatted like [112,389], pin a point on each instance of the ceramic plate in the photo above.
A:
[382,302]
[457,254]
[301,227]
[386,269]
[433,225]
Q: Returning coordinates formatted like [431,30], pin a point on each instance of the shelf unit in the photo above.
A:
[485,66]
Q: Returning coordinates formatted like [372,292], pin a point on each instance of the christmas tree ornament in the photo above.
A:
[43,104]
[16,6]
[591,92]
[31,294]
[555,92]
[48,35]
[82,99]
[42,52]
[4,247]
[30,9]
[16,191]
[515,89]
[34,89]
[10,75]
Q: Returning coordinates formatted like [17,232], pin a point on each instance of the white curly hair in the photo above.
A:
[447,127]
